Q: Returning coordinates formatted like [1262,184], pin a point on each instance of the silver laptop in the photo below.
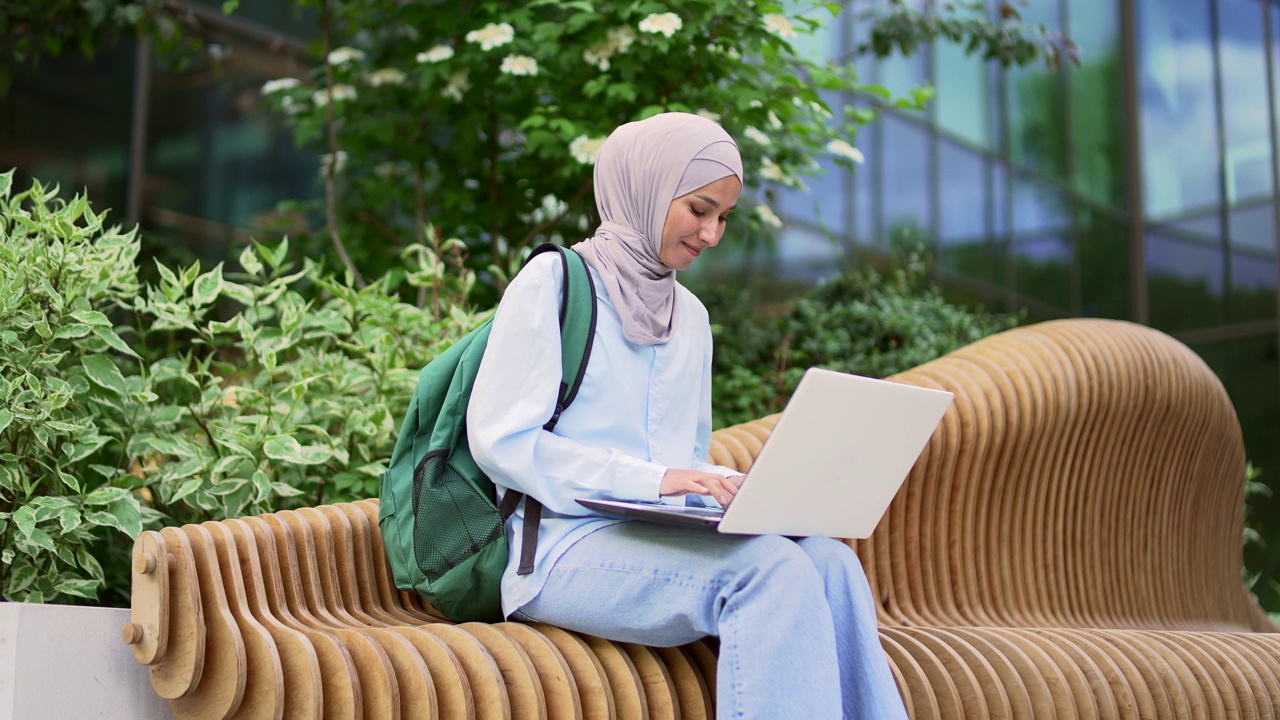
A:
[842,447]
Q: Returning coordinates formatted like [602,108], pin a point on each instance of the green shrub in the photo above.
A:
[61,391]
[242,392]
[862,322]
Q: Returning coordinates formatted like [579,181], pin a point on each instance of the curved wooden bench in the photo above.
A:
[1069,542]
[1067,545]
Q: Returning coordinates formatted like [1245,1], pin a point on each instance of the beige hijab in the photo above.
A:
[640,169]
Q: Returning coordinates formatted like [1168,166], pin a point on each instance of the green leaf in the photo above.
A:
[249,260]
[6,184]
[208,286]
[107,495]
[186,489]
[93,318]
[6,417]
[90,563]
[72,330]
[25,519]
[20,579]
[104,373]
[167,276]
[113,340]
[80,587]
[230,6]
[287,448]
[261,486]
[41,539]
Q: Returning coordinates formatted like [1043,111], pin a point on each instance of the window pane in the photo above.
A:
[217,160]
[806,255]
[1254,227]
[1242,54]
[1253,271]
[964,203]
[964,195]
[1037,207]
[905,188]
[1184,283]
[1176,91]
[1104,264]
[823,203]
[1037,117]
[961,103]
[1000,199]
[1043,270]
[68,123]
[1097,119]
[281,15]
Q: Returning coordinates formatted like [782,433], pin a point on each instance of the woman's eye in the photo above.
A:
[696,212]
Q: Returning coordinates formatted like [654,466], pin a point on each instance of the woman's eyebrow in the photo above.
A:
[711,201]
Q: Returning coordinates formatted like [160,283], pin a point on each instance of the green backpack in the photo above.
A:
[441,524]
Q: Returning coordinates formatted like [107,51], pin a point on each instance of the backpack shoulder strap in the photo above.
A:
[577,330]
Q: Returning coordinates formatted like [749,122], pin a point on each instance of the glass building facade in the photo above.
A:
[182,145]
[1140,184]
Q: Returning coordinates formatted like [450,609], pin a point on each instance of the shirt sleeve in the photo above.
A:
[515,394]
[702,443]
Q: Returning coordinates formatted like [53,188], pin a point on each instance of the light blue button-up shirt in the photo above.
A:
[640,410]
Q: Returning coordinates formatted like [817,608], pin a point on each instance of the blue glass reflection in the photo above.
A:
[1043,270]
[1246,121]
[961,104]
[1176,92]
[1253,227]
[1185,282]
[964,195]
[1038,206]
[905,182]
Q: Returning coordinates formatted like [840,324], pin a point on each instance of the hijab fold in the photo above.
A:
[640,169]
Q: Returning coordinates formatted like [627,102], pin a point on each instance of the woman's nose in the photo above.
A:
[709,234]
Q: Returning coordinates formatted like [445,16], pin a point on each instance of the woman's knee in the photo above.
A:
[832,557]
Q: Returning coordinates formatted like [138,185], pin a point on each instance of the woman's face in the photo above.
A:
[696,221]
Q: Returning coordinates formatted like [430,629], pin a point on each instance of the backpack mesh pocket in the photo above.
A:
[451,521]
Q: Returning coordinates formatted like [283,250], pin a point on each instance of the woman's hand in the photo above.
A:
[678,481]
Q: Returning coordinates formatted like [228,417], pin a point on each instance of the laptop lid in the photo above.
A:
[836,457]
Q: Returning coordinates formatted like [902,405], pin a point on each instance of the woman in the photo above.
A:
[796,620]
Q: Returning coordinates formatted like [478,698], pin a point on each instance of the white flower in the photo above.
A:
[439,53]
[585,149]
[664,23]
[622,37]
[770,170]
[386,76]
[340,92]
[844,149]
[492,35]
[774,122]
[458,84]
[598,55]
[344,55]
[779,25]
[286,83]
[713,117]
[755,104]
[756,136]
[519,65]
[384,170]
[768,216]
[327,159]
[291,106]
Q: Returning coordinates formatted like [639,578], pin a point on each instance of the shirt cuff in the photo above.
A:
[638,480]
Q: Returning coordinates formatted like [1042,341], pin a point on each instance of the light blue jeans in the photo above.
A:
[796,619]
